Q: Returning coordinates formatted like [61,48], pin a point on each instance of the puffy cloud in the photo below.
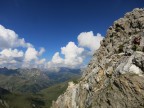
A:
[11,58]
[9,39]
[31,54]
[89,40]
[73,54]
[72,57]
[32,58]
[14,58]
[57,59]
[11,53]
[55,63]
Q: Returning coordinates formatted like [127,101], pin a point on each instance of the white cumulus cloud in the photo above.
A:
[73,54]
[9,39]
[57,59]
[16,53]
[32,58]
[11,58]
[72,57]
[89,40]
[31,54]
[11,53]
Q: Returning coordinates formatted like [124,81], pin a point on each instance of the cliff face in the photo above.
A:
[114,77]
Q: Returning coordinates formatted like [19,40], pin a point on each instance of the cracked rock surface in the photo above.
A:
[114,78]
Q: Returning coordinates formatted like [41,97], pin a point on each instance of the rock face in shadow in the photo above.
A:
[114,78]
[3,91]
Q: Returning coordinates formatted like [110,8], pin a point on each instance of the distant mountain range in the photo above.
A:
[41,99]
[33,80]
[33,88]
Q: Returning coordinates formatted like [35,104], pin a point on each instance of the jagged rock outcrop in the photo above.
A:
[114,77]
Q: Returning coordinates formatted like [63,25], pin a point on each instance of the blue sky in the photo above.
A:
[53,23]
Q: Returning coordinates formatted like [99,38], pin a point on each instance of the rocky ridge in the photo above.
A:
[114,78]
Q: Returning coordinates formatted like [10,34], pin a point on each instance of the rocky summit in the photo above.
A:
[114,78]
